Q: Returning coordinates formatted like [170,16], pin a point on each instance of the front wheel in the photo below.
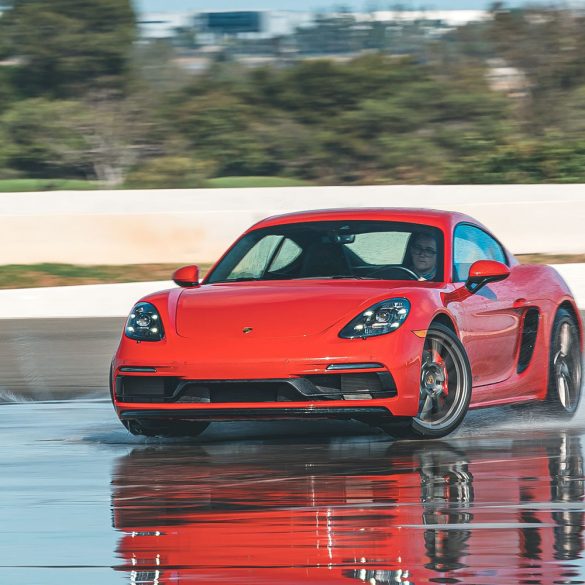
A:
[564,381]
[179,428]
[445,388]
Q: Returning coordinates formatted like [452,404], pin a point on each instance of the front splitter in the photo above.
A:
[240,414]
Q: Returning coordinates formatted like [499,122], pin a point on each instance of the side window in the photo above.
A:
[471,244]
[285,255]
[253,264]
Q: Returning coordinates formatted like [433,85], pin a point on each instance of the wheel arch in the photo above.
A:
[445,320]
[570,307]
[460,385]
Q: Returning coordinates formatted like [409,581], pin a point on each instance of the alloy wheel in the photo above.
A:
[444,385]
[566,365]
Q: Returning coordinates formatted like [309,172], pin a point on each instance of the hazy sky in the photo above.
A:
[210,5]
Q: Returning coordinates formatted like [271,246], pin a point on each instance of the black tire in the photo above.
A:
[445,388]
[179,428]
[111,382]
[564,367]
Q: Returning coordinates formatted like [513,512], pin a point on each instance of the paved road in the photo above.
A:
[56,358]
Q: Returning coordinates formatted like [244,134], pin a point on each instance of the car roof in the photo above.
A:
[441,219]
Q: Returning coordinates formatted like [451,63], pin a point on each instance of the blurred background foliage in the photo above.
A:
[82,98]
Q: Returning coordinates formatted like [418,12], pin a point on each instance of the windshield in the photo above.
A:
[335,249]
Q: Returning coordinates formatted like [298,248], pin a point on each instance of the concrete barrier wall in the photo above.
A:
[185,226]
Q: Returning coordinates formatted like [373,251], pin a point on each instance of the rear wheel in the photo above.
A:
[445,388]
[180,428]
[564,381]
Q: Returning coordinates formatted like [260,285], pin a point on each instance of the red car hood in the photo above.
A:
[283,309]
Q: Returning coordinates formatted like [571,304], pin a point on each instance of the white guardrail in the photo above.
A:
[116,300]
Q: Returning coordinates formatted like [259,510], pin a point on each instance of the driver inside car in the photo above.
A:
[423,252]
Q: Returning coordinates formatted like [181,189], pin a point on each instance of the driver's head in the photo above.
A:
[424,253]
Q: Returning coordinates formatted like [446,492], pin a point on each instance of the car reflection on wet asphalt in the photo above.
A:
[504,512]
[501,502]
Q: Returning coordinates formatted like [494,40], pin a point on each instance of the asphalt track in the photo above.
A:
[44,359]
[82,501]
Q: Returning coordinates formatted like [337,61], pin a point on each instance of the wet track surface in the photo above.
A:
[56,358]
[502,501]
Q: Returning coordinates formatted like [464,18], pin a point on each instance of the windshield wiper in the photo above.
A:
[328,277]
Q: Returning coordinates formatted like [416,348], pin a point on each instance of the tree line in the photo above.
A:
[82,97]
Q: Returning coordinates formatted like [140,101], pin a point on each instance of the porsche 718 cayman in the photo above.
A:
[401,318]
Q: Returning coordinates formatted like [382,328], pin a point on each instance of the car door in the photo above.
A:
[490,321]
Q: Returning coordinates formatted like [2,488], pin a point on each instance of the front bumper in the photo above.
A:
[219,372]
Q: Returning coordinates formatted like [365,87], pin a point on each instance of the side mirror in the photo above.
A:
[483,272]
[187,276]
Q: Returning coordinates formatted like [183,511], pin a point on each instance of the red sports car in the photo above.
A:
[401,318]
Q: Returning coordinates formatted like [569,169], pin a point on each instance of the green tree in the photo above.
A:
[165,172]
[100,138]
[547,45]
[35,137]
[550,160]
[220,127]
[68,46]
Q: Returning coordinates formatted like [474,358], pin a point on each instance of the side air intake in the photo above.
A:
[528,341]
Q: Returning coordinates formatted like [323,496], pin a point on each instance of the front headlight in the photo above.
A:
[144,323]
[379,319]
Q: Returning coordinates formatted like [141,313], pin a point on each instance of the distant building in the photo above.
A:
[250,24]
[255,38]
[163,25]
[450,18]
[210,25]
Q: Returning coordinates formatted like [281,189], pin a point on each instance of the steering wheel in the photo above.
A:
[411,274]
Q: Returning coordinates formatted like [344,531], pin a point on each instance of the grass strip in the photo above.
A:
[255,182]
[34,185]
[52,274]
